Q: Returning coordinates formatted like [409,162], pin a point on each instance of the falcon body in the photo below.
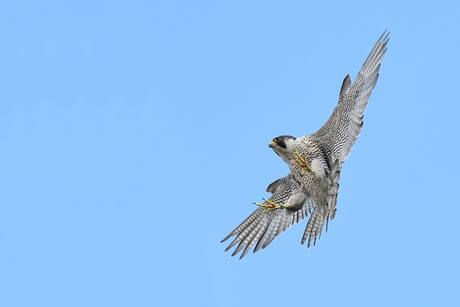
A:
[315,162]
[318,177]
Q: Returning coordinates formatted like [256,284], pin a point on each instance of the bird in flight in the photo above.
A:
[315,162]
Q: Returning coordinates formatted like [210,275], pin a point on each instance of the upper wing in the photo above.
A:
[338,135]
[261,228]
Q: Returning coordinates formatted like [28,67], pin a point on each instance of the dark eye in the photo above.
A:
[276,140]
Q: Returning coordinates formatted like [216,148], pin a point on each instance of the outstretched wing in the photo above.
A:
[260,228]
[338,135]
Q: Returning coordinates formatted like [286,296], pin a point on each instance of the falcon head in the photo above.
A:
[282,146]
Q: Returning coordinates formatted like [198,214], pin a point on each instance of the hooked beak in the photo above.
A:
[271,144]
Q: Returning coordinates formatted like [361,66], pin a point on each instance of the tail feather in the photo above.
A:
[314,226]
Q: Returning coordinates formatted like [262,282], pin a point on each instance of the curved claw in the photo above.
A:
[272,206]
[302,161]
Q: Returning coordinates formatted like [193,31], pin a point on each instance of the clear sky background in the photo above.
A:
[133,138]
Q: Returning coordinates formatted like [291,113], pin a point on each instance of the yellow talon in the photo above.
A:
[272,206]
[303,163]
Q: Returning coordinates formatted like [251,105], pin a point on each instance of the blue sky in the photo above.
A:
[133,138]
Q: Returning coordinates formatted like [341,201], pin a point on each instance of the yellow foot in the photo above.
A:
[272,206]
[303,163]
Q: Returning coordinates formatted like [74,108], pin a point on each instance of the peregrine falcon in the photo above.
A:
[315,162]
